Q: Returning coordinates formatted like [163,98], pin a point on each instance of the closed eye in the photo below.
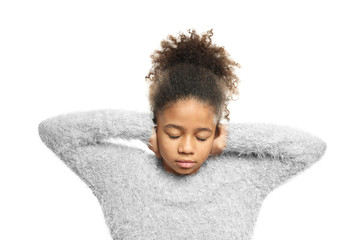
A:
[173,138]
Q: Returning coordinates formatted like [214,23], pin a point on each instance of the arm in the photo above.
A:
[279,152]
[65,134]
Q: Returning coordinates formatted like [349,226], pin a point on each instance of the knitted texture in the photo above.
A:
[140,200]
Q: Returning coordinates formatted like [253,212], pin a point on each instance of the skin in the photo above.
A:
[187,141]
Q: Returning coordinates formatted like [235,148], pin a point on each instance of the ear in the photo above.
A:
[153,143]
[220,139]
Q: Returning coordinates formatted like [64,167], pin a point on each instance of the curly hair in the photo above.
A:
[192,67]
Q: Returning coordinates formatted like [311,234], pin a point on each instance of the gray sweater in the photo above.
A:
[141,200]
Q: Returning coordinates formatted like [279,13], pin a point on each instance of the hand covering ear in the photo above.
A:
[153,144]
[220,140]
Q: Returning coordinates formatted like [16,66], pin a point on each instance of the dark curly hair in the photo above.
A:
[192,67]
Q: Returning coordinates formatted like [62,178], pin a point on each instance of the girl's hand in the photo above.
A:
[220,141]
[153,144]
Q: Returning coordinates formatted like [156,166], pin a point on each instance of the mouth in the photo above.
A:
[185,163]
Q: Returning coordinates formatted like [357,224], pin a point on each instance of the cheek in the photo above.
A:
[166,146]
[206,148]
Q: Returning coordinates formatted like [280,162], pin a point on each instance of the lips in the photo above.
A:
[187,161]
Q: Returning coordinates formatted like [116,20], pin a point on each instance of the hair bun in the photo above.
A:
[193,49]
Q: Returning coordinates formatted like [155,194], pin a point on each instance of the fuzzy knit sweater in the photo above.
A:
[141,200]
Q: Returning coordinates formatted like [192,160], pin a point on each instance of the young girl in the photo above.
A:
[191,84]
[206,180]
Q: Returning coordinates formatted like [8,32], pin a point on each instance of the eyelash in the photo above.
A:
[174,138]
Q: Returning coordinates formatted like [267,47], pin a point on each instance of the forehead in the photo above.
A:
[188,113]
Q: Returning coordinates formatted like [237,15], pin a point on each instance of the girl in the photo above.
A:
[191,84]
[206,180]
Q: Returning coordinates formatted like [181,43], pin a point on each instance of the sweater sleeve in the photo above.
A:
[65,134]
[277,151]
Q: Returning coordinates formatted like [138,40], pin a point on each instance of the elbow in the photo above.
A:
[312,151]
[43,130]
[48,134]
[321,148]
[45,134]
[316,147]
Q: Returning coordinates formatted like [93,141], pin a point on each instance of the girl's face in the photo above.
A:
[185,131]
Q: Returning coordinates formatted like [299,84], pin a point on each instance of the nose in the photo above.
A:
[187,145]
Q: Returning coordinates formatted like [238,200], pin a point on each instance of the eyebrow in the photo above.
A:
[181,128]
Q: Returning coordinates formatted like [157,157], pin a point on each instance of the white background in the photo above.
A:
[300,67]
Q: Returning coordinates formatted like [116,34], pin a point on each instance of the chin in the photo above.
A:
[187,171]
